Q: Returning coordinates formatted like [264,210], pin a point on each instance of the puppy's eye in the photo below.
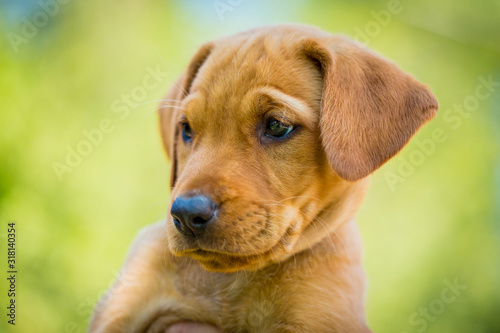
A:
[277,129]
[187,134]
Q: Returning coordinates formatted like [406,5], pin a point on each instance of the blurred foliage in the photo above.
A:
[441,222]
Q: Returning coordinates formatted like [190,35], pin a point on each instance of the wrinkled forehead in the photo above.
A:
[241,72]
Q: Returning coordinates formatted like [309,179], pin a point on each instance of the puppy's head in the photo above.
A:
[271,134]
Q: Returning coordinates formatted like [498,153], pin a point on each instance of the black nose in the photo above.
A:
[191,215]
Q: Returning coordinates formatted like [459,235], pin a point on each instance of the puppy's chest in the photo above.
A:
[241,302]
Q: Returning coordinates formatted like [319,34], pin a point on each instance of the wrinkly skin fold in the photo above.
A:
[283,254]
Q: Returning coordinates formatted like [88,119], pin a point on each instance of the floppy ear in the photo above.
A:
[369,109]
[169,109]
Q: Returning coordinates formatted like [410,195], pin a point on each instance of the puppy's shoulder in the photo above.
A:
[150,238]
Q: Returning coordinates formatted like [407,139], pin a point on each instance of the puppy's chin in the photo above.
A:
[220,261]
[227,263]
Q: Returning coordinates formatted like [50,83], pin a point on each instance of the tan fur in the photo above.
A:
[284,253]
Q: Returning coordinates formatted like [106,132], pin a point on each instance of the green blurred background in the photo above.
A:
[432,214]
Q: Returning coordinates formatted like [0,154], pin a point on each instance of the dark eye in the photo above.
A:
[277,129]
[187,134]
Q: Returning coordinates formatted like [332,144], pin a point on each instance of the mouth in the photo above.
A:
[228,262]
[220,261]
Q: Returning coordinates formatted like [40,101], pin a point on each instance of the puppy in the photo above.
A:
[272,134]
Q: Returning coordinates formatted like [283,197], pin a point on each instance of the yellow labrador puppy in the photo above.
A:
[272,134]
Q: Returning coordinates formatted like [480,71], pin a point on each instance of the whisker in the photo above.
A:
[160,109]
[347,252]
[342,242]
[298,196]
[157,203]
[160,100]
